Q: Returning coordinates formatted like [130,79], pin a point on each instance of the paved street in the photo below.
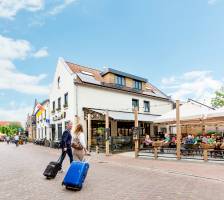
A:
[114,177]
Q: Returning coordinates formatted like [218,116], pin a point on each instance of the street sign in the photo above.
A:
[136,132]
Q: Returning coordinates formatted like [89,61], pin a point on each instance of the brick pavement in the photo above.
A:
[109,178]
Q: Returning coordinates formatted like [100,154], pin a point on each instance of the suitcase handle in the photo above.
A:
[60,157]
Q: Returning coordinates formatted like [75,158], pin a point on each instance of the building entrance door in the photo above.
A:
[53,132]
[59,131]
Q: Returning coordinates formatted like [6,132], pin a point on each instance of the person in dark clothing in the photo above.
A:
[66,143]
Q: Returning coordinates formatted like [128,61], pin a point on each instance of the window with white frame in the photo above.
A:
[146,106]
[135,104]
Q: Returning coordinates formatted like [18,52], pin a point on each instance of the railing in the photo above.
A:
[188,151]
[99,145]
[121,143]
[157,152]
[117,144]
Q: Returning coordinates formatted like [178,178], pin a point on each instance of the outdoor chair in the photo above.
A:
[187,149]
[197,150]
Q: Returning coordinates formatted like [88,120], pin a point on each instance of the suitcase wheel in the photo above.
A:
[73,188]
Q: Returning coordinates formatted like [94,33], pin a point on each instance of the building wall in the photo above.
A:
[93,97]
[129,82]
[80,96]
[42,122]
[66,86]
[109,78]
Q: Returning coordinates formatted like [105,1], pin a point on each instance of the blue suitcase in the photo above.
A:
[76,175]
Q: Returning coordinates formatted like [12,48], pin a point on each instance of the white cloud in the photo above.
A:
[13,113]
[41,53]
[20,82]
[9,8]
[199,85]
[10,77]
[59,8]
[13,49]
[168,80]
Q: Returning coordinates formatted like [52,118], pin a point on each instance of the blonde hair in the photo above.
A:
[78,128]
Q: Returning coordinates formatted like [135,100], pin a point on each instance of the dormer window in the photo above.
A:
[137,85]
[119,80]
[59,82]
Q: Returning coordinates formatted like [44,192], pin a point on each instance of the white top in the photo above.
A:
[16,137]
[81,137]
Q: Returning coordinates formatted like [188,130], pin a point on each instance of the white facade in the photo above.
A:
[66,85]
[43,129]
[101,98]
[92,96]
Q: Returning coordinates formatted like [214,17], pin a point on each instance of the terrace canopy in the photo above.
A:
[127,116]
[188,111]
[194,118]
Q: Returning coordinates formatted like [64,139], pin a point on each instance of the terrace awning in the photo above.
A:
[127,116]
[188,111]
[216,113]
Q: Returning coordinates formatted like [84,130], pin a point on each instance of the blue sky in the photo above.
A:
[177,45]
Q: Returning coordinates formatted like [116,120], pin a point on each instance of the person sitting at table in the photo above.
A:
[147,142]
[167,140]
[189,140]
[222,144]
[174,139]
[211,140]
[205,140]
[196,140]
[218,139]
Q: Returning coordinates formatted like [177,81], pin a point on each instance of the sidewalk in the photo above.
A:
[110,177]
[204,170]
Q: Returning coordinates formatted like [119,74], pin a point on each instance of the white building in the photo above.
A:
[43,129]
[77,91]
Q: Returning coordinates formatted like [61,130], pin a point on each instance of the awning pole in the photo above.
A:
[89,132]
[178,129]
[107,133]
[136,139]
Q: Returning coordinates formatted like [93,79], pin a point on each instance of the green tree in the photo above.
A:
[218,101]
[11,130]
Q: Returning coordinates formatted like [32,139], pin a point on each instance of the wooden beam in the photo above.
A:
[107,127]
[136,117]
[136,139]
[178,129]
[89,132]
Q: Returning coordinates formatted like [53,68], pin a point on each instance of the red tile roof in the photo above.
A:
[96,74]
[6,123]
[79,69]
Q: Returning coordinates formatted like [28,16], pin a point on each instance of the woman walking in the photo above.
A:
[79,144]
